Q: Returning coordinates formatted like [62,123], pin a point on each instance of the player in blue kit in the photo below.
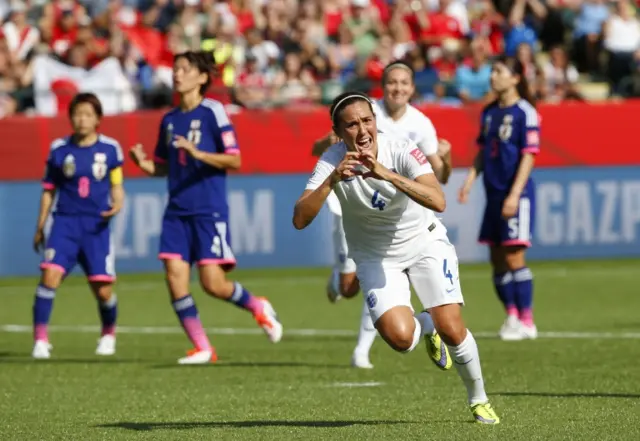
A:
[196,146]
[84,173]
[509,141]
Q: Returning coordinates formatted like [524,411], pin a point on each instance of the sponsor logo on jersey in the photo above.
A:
[228,139]
[420,157]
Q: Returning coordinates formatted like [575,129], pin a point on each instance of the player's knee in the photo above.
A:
[349,285]
[102,290]
[399,334]
[216,285]
[515,259]
[51,278]
[447,320]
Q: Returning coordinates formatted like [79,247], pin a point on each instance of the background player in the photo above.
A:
[196,146]
[84,172]
[509,140]
[384,183]
[394,115]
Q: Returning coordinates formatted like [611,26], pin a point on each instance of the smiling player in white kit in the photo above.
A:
[395,116]
[384,183]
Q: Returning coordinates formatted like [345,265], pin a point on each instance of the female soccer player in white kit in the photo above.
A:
[383,184]
[394,115]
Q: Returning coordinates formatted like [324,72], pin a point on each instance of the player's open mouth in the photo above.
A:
[364,143]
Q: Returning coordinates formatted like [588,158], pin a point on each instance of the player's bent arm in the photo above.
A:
[153,168]
[441,166]
[219,160]
[522,175]
[311,202]
[474,171]
[323,144]
[424,190]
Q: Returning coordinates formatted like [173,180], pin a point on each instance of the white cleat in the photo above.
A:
[332,294]
[361,361]
[41,350]
[106,345]
[269,322]
[199,357]
[529,332]
[510,330]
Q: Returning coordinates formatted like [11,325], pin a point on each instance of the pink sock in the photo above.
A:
[526,317]
[195,332]
[255,306]
[108,330]
[41,333]
[512,311]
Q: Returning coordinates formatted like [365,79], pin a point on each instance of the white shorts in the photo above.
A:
[433,275]
[342,263]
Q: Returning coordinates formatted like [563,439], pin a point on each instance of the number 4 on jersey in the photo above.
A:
[377,201]
[447,272]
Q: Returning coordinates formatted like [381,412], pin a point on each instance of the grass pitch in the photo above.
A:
[579,381]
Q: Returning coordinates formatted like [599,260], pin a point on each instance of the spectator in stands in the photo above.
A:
[251,89]
[521,26]
[587,34]
[365,26]
[20,36]
[342,54]
[560,77]
[487,22]
[530,67]
[293,84]
[622,42]
[473,81]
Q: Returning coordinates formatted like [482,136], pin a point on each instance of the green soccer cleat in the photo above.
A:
[484,414]
[438,351]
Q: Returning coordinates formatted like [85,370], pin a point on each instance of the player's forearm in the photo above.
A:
[447,168]
[474,171]
[309,205]
[522,175]
[46,201]
[429,196]
[150,167]
[117,196]
[219,160]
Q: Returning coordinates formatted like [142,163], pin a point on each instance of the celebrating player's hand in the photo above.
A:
[510,206]
[347,169]
[181,142]
[376,170]
[137,154]
[115,209]
[444,147]
[38,240]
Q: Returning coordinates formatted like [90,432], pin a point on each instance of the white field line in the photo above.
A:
[27,329]
[266,282]
[364,384]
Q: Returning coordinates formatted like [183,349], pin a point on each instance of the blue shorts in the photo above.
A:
[80,239]
[515,231]
[202,239]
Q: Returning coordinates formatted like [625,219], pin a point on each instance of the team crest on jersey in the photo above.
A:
[506,129]
[169,133]
[69,166]
[372,300]
[99,166]
[412,135]
[49,254]
[195,134]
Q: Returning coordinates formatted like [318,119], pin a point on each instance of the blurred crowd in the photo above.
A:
[286,52]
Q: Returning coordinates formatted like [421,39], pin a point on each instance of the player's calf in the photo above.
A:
[42,307]
[108,310]
[399,328]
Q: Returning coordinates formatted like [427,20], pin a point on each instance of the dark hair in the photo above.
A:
[204,61]
[398,64]
[89,98]
[343,100]
[517,68]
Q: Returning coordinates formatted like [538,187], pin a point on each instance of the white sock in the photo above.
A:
[467,361]
[367,333]
[417,335]
[426,322]
[335,282]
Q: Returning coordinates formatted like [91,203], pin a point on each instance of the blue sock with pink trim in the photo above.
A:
[245,300]
[42,307]
[109,315]
[505,287]
[523,280]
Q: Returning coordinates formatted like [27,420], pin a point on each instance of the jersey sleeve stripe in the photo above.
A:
[48,185]
[218,112]
[234,151]
[533,150]
[530,112]
[116,145]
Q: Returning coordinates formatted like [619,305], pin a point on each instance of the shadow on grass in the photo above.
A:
[566,395]
[246,424]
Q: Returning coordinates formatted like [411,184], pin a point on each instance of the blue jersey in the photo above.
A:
[507,133]
[196,188]
[81,175]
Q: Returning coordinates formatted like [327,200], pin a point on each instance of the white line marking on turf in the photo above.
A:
[365,384]
[22,329]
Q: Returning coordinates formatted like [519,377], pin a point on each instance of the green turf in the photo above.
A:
[549,389]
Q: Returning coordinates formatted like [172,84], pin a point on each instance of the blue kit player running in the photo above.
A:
[84,173]
[509,141]
[196,146]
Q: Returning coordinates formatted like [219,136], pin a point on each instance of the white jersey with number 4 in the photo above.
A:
[382,223]
[413,125]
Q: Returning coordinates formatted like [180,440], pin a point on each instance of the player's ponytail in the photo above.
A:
[204,61]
